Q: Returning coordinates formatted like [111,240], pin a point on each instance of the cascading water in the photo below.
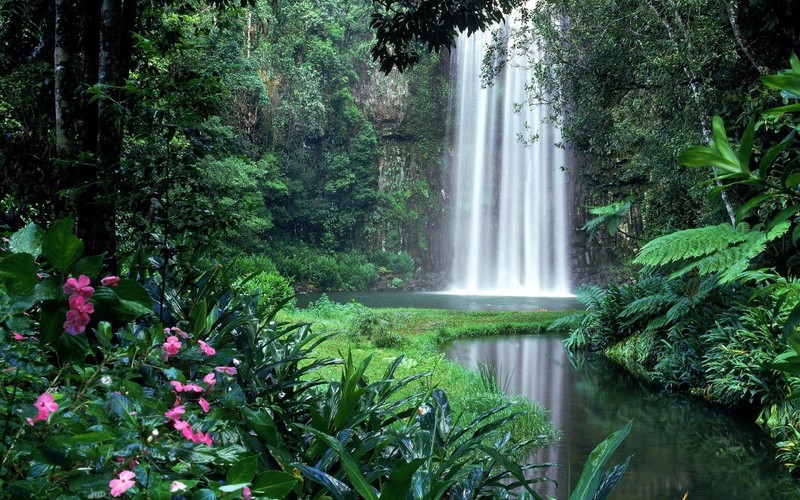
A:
[509,200]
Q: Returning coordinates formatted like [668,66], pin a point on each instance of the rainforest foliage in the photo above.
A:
[715,308]
[207,127]
[634,84]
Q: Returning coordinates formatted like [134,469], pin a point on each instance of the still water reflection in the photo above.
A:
[678,446]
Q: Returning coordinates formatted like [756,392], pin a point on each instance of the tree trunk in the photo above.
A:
[737,34]
[65,63]
[691,75]
[108,43]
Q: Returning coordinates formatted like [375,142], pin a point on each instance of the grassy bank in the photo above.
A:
[418,334]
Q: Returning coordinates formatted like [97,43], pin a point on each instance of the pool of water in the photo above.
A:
[442,300]
[678,447]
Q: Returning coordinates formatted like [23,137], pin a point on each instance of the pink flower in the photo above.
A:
[175,413]
[246,493]
[185,388]
[229,370]
[207,349]
[78,315]
[46,405]
[200,438]
[123,484]
[110,281]
[204,405]
[78,286]
[180,425]
[180,332]
[210,379]
[177,486]
[17,336]
[172,345]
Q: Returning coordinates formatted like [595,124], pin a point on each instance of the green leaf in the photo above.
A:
[51,322]
[348,463]
[204,494]
[751,203]
[228,488]
[792,321]
[126,302]
[242,471]
[721,141]
[592,474]
[772,153]
[262,424]
[134,297]
[273,484]
[746,146]
[103,334]
[18,274]
[701,156]
[27,240]
[784,215]
[50,289]
[72,348]
[89,266]
[400,480]
[61,247]
[88,437]
[794,63]
[784,82]
[789,108]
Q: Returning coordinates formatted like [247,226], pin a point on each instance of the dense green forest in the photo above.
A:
[265,131]
[171,169]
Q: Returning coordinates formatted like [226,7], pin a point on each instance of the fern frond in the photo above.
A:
[709,250]
[643,307]
[690,243]
[590,295]
[564,323]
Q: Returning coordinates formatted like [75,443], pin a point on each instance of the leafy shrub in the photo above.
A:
[325,270]
[255,263]
[271,286]
[401,263]
[737,360]
[221,401]
[377,328]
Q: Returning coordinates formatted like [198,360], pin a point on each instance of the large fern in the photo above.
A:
[722,249]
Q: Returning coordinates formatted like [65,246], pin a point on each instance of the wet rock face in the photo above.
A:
[408,119]
[385,100]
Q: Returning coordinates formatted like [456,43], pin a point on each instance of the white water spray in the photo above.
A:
[510,201]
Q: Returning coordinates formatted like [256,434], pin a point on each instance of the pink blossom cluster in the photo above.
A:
[174,415]
[45,404]
[171,347]
[79,290]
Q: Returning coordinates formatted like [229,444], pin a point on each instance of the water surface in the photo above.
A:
[442,300]
[678,447]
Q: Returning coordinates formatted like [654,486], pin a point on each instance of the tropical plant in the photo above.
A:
[218,399]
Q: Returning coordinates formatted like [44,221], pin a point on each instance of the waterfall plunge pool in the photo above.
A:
[444,300]
[678,446]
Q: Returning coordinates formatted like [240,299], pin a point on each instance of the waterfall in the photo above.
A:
[510,218]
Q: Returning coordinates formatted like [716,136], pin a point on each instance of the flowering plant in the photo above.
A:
[99,398]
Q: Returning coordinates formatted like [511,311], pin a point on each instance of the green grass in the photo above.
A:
[418,334]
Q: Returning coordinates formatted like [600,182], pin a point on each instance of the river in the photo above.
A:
[678,447]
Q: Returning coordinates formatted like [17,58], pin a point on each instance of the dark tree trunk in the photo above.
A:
[109,65]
